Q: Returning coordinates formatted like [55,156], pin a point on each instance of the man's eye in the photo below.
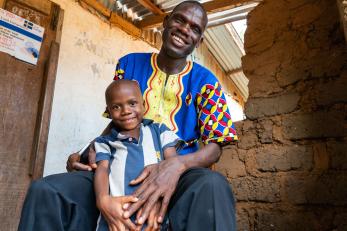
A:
[196,30]
[179,20]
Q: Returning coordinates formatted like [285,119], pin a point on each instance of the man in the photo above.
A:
[188,99]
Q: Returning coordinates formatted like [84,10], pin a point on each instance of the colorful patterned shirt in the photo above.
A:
[191,103]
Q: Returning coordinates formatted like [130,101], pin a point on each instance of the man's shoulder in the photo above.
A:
[202,74]
[136,56]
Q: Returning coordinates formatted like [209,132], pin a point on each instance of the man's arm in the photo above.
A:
[160,180]
[85,160]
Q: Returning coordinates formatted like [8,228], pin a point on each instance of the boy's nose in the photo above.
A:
[126,110]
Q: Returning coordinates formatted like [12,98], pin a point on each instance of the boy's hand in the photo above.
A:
[111,208]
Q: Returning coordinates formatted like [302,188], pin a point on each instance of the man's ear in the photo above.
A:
[201,40]
[165,21]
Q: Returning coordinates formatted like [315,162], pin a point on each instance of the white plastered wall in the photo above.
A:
[89,51]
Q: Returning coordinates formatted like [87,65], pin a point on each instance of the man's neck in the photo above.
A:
[170,65]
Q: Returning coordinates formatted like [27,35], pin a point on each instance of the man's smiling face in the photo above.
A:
[183,30]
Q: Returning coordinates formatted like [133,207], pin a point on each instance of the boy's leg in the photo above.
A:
[203,201]
[62,202]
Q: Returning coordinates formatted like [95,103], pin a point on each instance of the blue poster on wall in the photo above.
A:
[20,37]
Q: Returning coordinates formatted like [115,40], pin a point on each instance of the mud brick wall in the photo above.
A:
[289,170]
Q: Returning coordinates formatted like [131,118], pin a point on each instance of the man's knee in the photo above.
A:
[40,187]
[213,180]
[207,177]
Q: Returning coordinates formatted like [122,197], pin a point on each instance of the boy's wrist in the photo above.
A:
[101,200]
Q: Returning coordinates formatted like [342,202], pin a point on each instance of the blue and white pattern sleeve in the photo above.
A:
[102,149]
[169,139]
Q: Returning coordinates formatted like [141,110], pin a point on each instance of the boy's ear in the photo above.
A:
[106,113]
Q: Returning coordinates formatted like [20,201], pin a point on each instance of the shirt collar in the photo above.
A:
[119,136]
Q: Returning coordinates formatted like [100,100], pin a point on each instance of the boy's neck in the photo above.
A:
[134,133]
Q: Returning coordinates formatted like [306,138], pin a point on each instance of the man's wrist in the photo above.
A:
[183,164]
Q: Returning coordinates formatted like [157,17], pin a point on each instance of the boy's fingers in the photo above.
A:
[126,206]
[129,224]
[128,199]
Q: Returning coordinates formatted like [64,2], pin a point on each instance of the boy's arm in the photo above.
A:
[101,183]
[110,207]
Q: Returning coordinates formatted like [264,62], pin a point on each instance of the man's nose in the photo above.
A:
[185,28]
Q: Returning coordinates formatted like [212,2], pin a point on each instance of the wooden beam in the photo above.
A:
[125,25]
[149,5]
[221,5]
[210,7]
[2,3]
[99,7]
[44,112]
[234,71]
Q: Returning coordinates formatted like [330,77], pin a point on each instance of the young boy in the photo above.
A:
[134,142]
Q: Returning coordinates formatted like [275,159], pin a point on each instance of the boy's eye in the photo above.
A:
[132,104]
[115,107]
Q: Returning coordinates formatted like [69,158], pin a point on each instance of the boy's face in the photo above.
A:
[125,105]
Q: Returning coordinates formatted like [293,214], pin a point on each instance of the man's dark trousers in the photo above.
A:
[203,201]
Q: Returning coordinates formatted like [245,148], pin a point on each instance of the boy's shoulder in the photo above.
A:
[157,127]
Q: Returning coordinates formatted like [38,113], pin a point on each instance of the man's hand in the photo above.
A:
[73,162]
[111,209]
[159,182]
[152,221]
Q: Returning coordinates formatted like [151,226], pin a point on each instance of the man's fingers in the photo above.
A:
[73,158]
[148,207]
[92,156]
[142,199]
[145,172]
[164,204]
[138,214]
[150,221]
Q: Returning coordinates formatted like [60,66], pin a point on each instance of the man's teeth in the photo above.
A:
[178,39]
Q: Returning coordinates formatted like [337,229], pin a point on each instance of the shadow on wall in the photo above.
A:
[289,170]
